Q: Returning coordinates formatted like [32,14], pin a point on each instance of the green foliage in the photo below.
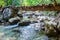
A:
[26,2]
[2,3]
[58,1]
[5,2]
[48,1]
[16,2]
[30,2]
[8,2]
[36,2]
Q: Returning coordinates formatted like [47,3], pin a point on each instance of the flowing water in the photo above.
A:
[15,32]
[26,33]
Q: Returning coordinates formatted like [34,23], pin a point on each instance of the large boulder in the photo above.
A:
[20,14]
[7,13]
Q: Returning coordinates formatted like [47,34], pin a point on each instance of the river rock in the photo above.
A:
[24,23]
[7,13]
[51,18]
[29,12]
[19,14]
[51,23]
[39,13]
[14,20]
[38,26]
[42,17]
[1,17]
[57,19]
[51,29]
[34,16]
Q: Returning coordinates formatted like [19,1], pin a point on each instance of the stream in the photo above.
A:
[13,31]
[26,32]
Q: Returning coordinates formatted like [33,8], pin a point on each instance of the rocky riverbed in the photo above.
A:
[29,25]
